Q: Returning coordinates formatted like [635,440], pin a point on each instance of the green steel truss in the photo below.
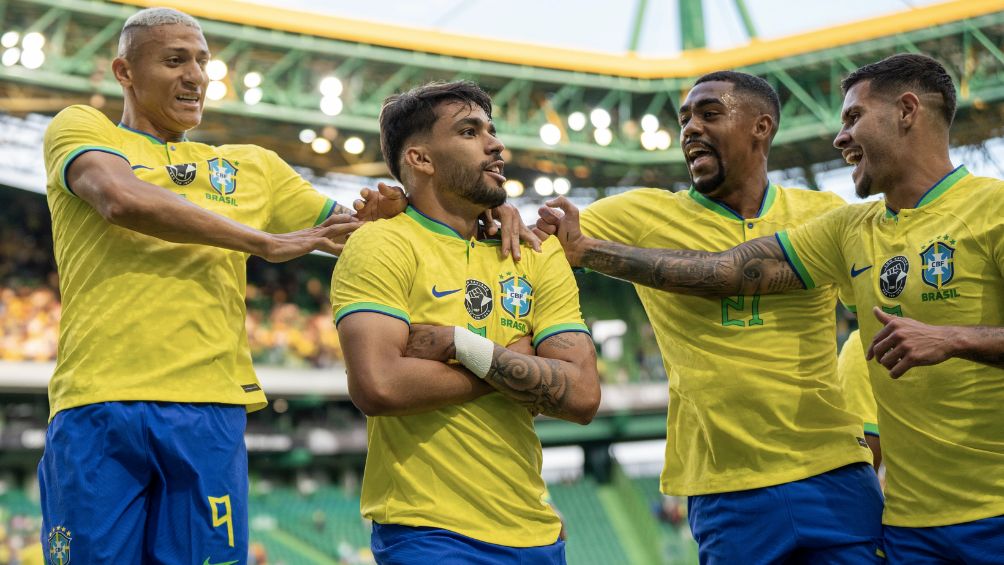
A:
[82,34]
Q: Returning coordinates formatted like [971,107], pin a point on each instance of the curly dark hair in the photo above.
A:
[908,71]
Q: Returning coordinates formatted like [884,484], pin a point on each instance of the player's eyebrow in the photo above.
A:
[475,122]
[701,103]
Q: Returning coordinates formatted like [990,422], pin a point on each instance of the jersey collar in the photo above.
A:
[153,139]
[723,209]
[936,191]
[428,223]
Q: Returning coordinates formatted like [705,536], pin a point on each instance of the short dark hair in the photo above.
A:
[908,71]
[414,112]
[750,84]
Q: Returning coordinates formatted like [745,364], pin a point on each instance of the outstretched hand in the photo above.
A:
[561,218]
[329,236]
[904,343]
[385,202]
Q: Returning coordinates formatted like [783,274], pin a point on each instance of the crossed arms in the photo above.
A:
[397,371]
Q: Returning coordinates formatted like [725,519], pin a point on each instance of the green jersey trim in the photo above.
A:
[769,196]
[80,151]
[371,307]
[871,429]
[329,206]
[557,329]
[792,257]
[428,223]
[942,186]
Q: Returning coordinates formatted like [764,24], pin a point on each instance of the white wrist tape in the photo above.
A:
[473,351]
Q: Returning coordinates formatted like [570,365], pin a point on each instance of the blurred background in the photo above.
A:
[585,100]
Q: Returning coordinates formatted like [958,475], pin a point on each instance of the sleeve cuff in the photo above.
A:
[792,257]
[77,153]
[871,429]
[371,307]
[557,329]
[329,207]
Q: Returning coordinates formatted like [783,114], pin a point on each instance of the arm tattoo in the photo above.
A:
[339,209]
[754,267]
[540,384]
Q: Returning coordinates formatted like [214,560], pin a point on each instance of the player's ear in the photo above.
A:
[122,71]
[908,106]
[417,157]
[763,126]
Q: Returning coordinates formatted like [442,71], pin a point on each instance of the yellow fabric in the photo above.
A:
[753,395]
[852,372]
[145,319]
[942,433]
[472,468]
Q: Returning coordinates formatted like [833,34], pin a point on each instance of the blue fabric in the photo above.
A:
[131,482]
[831,518]
[394,544]
[980,542]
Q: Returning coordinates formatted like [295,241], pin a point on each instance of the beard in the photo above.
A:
[863,188]
[469,183]
[709,185]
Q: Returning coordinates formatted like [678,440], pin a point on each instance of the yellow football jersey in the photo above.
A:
[753,395]
[143,318]
[941,263]
[852,372]
[472,468]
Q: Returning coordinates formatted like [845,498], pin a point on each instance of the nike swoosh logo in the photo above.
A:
[856,272]
[206,562]
[442,293]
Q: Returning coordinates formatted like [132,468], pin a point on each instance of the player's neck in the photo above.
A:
[137,122]
[463,218]
[914,178]
[744,195]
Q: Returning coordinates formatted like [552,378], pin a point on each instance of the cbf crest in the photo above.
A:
[222,175]
[516,296]
[59,546]
[938,262]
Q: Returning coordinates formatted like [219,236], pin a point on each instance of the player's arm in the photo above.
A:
[559,380]
[904,343]
[758,266]
[107,183]
[385,381]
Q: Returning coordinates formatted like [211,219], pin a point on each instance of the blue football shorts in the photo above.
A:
[829,519]
[980,542]
[145,482]
[393,544]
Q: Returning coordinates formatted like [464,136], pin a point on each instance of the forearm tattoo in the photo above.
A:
[540,384]
[754,267]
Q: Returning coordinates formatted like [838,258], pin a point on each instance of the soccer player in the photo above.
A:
[453,466]
[852,373]
[144,457]
[757,424]
[928,263]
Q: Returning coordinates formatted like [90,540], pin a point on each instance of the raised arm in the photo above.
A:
[383,381]
[107,183]
[559,380]
[757,266]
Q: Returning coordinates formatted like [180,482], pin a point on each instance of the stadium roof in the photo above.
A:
[585,93]
[639,39]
